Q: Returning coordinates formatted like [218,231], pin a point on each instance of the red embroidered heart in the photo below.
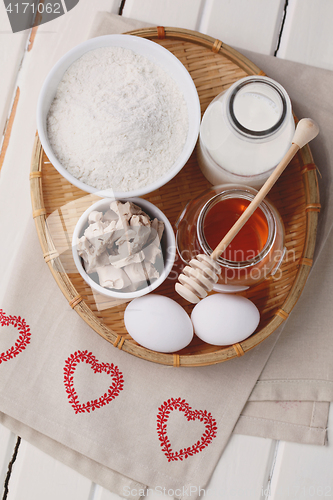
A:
[112,370]
[23,339]
[180,405]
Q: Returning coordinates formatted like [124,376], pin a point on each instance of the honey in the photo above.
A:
[250,240]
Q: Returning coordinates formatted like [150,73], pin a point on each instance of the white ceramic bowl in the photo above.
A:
[168,244]
[155,53]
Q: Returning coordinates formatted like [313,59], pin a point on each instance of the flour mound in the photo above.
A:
[117,121]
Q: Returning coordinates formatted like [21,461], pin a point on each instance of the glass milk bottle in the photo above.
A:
[245,132]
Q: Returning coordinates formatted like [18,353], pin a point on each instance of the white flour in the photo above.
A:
[118,120]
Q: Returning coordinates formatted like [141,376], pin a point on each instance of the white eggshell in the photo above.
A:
[158,323]
[222,319]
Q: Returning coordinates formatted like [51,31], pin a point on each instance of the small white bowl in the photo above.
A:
[168,244]
[155,53]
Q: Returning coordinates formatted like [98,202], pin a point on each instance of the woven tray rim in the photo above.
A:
[54,263]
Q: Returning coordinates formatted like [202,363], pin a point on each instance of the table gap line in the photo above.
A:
[121,7]
[10,468]
[266,492]
[284,16]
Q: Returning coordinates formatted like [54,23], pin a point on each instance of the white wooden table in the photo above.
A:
[299,30]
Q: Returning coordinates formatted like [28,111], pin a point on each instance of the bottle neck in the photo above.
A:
[256,108]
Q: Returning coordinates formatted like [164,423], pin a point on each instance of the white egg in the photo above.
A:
[158,323]
[222,319]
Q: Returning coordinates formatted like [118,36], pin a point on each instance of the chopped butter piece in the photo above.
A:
[130,259]
[125,210]
[109,216]
[141,272]
[111,277]
[140,220]
[152,251]
[158,225]
[122,246]
[94,216]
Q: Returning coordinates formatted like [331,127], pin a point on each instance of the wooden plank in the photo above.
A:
[99,493]
[36,475]
[179,14]
[9,126]
[243,469]
[304,472]
[244,24]
[245,457]
[12,48]
[35,472]
[64,32]
[307,36]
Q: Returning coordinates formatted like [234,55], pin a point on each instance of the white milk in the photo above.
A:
[229,153]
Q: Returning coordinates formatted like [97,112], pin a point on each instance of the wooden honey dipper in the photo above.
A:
[200,276]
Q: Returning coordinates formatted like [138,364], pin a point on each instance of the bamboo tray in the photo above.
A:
[57,205]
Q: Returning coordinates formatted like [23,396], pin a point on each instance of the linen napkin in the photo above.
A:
[305,418]
[124,422]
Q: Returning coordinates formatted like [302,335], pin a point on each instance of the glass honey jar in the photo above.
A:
[257,250]
[245,132]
